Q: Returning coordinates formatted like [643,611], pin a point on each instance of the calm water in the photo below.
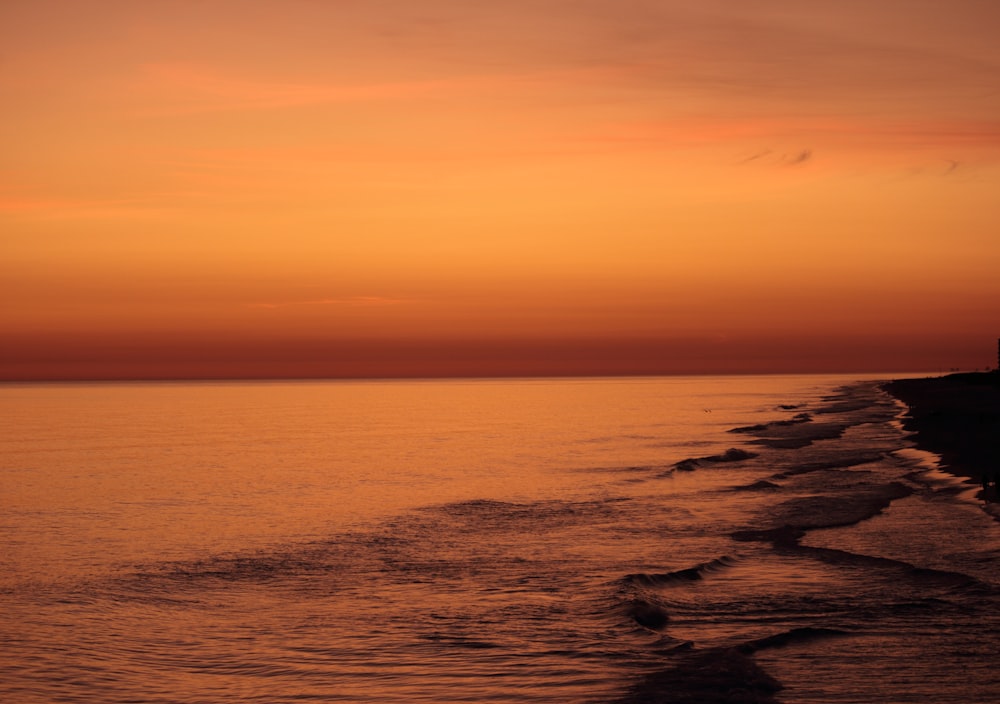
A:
[486,541]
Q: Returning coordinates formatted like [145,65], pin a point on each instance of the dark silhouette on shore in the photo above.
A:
[957,417]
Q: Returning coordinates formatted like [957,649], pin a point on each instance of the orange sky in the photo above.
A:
[359,187]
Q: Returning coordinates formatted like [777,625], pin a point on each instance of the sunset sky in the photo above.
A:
[230,188]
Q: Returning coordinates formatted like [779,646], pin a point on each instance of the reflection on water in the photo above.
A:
[543,540]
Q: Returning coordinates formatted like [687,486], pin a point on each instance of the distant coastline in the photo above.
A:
[957,417]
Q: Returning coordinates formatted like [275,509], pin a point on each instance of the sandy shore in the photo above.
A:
[958,417]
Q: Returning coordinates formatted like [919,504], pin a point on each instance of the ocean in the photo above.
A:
[666,539]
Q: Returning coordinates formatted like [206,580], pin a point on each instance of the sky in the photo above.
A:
[345,188]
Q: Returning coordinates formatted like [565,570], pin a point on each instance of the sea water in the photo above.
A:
[685,539]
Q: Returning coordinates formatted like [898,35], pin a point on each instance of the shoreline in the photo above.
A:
[957,417]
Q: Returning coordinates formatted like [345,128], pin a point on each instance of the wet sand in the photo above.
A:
[957,417]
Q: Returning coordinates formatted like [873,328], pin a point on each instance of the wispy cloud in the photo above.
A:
[756,156]
[186,88]
[799,158]
[774,157]
[175,89]
[872,133]
[54,208]
[786,51]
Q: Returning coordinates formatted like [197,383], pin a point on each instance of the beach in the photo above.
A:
[958,418]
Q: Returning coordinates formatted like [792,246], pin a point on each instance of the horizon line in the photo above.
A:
[477,377]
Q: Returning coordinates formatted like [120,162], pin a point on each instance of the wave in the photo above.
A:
[689,574]
[413,546]
[834,460]
[644,607]
[837,492]
[502,515]
[759,485]
[797,419]
[805,634]
[795,516]
[780,536]
[647,614]
[792,434]
[733,454]
[633,469]
[847,402]
[948,579]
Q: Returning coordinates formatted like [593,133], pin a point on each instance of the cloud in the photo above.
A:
[800,158]
[184,88]
[754,157]
[176,89]
[772,157]
[47,208]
